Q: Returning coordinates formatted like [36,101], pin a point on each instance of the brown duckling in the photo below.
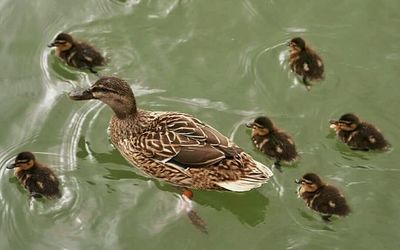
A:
[38,179]
[272,141]
[77,54]
[357,134]
[321,197]
[305,62]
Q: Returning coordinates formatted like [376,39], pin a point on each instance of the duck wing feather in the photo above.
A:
[186,141]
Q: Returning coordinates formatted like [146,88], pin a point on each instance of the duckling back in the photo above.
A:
[308,64]
[277,145]
[82,55]
[39,180]
[365,137]
[328,200]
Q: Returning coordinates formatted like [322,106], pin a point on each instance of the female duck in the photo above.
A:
[321,197]
[174,147]
[272,141]
[77,54]
[305,62]
[357,134]
[38,179]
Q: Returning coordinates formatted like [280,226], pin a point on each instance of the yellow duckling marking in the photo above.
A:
[312,200]
[291,141]
[40,184]
[279,149]
[263,143]
[332,204]
[305,67]
[52,177]
[319,63]
[371,139]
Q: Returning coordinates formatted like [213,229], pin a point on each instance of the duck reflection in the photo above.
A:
[249,207]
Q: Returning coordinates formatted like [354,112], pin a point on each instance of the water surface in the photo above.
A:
[223,62]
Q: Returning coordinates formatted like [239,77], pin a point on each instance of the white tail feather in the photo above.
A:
[264,169]
[247,182]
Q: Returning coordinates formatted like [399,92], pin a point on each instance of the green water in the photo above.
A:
[223,62]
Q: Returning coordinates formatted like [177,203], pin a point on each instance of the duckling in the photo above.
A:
[37,178]
[305,62]
[321,197]
[357,134]
[272,141]
[77,54]
[174,147]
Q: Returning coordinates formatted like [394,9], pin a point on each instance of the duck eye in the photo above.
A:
[102,89]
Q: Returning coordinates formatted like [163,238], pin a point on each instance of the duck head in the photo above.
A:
[310,182]
[261,126]
[63,42]
[347,122]
[114,92]
[23,161]
[297,44]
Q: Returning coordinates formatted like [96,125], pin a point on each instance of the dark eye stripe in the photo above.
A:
[102,89]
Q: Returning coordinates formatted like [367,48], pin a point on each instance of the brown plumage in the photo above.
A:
[305,62]
[77,54]
[272,141]
[321,197]
[174,147]
[357,134]
[38,179]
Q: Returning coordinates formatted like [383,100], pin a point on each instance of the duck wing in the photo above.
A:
[185,141]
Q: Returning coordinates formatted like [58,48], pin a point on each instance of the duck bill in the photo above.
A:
[11,166]
[81,95]
[297,181]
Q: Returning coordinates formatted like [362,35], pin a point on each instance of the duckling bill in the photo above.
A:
[305,62]
[77,54]
[357,134]
[35,177]
[272,141]
[321,197]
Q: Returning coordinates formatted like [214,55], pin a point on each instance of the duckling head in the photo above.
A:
[347,122]
[63,42]
[261,126]
[114,92]
[23,161]
[310,182]
[297,44]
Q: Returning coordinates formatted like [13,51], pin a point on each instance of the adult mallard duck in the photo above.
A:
[77,54]
[321,197]
[174,147]
[357,134]
[305,62]
[37,178]
[272,141]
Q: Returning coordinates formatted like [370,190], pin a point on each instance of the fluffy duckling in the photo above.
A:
[357,134]
[272,141]
[77,54]
[321,197]
[38,179]
[305,62]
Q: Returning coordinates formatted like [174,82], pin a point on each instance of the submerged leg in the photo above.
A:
[277,165]
[95,72]
[196,220]
[306,83]
[326,218]
[36,195]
